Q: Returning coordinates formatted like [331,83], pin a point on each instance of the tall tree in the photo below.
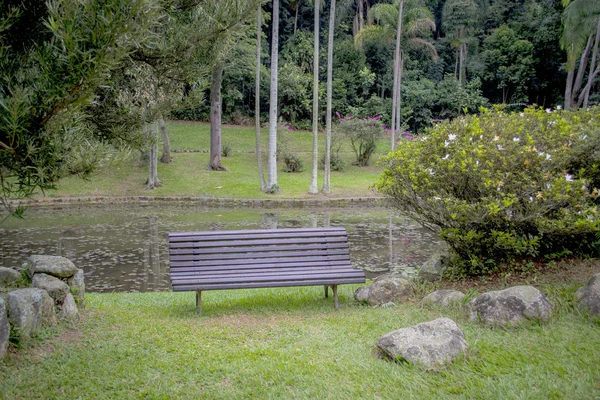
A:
[580,38]
[405,23]
[313,189]
[459,17]
[327,175]
[272,185]
[263,184]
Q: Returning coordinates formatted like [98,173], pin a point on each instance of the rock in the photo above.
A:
[57,266]
[77,285]
[4,330]
[9,276]
[589,296]
[444,297]
[68,309]
[431,343]
[385,289]
[511,306]
[362,294]
[29,309]
[404,271]
[434,267]
[56,288]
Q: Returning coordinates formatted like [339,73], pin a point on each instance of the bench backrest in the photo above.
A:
[261,258]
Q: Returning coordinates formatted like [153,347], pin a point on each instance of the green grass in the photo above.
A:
[291,343]
[188,176]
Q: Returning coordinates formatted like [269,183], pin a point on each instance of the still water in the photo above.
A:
[125,249]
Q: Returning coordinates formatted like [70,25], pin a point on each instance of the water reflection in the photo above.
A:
[124,248]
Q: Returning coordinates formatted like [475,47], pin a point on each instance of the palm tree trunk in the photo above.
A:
[569,89]
[272,185]
[399,107]
[166,154]
[361,14]
[327,178]
[396,75]
[462,71]
[215,120]
[296,17]
[583,63]
[313,189]
[263,184]
[153,181]
[591,77]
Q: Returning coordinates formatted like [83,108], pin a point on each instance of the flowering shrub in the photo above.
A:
[497,187]
[363,134]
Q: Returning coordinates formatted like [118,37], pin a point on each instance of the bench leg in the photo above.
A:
[199,300]
[326,291]
[335,297]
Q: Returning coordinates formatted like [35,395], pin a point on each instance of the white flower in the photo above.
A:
[584,137]
[569,177]
[446,143]
[431,171]
[446,157]
[477,162]
[516,139]
[530,198]
[583,187]
[548,157]
[551,123]
[522,114]
[559,107]
[500,147]
[548,110]
[548,186]
[451,136]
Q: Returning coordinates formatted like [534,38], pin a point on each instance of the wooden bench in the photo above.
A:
[244,259]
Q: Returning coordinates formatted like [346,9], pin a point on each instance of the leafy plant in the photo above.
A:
[292,162]
[226,149]
[497,187]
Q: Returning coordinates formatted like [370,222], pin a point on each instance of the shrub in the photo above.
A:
[226,149]
[336,163]
[292,162]
[497,187]
[363,134]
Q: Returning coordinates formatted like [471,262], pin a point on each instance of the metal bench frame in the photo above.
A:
[243,259]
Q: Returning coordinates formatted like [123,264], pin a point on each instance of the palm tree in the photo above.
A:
[405,22]
[273,186]
[327,176]
[313,189]
[459,18]
[263,184]
[580,38]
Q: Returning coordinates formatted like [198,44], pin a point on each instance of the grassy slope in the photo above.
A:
[188,176]
[291,343]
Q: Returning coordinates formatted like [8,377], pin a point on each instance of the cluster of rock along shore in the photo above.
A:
[56,289]
[440,341]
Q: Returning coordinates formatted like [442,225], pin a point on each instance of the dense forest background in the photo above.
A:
[485,52]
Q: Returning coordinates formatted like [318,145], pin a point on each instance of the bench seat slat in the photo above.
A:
[256,255]
[273,272]
[242,249]
[247,268]
[270,235]
[259,242]
[315,231]
[250,278]
[257,285]
[248,261]
[305,266]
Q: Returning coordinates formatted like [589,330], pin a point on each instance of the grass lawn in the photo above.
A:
[187,174]
[291,343]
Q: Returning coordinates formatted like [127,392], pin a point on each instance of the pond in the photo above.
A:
[124,248]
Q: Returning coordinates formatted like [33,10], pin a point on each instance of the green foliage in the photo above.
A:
[452,99]
[497,187]
[363,135]
[292,162]
[226,149]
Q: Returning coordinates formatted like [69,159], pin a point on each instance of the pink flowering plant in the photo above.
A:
[499,187]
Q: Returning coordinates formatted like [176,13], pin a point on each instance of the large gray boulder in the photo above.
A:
[68,308]
[385,289]
[589,296]
[30,309]
[57,266]
[9,276]
[430,344]
[56,288]
[444,297]
[4,330]
[511,306]
[77,285]
[432,269]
